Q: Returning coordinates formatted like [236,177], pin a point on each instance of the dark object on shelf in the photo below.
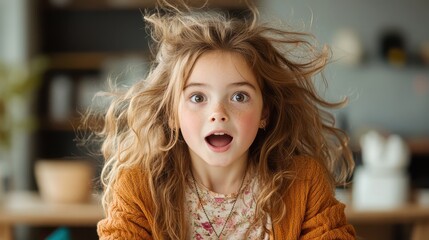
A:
[419,170]
[393,49]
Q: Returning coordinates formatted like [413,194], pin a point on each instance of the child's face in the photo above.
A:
[220,109]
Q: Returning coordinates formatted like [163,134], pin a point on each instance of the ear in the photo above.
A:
[264,118]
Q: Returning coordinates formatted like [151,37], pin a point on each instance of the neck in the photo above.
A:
[224,180]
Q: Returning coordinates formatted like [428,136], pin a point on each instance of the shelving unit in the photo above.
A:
[81,37]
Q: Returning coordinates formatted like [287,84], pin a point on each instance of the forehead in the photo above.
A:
[217,67]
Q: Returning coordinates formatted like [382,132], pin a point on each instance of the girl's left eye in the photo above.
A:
[197,98]
[240,97]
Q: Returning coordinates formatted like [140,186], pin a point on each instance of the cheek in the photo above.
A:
[188,122]
[249,123]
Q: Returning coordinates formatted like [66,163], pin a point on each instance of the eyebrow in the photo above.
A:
[237,84]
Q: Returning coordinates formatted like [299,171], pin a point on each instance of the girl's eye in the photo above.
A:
[197,98]
[240,97]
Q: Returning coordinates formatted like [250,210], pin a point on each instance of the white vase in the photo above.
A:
[375,191]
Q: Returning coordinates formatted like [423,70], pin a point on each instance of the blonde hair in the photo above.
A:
[141,125]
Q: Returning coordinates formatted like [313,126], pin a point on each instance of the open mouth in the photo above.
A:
[218,140]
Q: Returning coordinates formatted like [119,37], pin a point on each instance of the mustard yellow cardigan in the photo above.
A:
[312,210]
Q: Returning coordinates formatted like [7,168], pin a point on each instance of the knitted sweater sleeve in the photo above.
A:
[324,216]
[127,217]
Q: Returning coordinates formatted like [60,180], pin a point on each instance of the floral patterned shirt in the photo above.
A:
[218,207]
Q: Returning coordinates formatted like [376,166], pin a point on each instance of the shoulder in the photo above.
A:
[131,174]
[307,167]
[132,180]
[129,213]
[309,176]
[310,201]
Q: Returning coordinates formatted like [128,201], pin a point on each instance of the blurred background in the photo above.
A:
[55,54]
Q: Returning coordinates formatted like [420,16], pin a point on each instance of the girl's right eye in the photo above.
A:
[197,98]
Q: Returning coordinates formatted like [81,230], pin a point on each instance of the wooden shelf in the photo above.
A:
[86,60]
[72,124]
[66,125]
[419,145]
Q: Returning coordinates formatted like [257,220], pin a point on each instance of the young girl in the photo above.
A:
[226,138]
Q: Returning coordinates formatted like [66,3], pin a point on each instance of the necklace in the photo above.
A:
[204,210]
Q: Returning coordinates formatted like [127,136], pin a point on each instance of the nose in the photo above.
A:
[219,114]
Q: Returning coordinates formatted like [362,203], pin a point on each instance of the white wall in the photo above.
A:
[13,31]
[14,50]
[382,96]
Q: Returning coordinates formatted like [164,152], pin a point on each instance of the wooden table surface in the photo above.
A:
[29,208]
[406,214]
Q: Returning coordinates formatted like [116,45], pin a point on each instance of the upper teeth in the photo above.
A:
[219,133]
